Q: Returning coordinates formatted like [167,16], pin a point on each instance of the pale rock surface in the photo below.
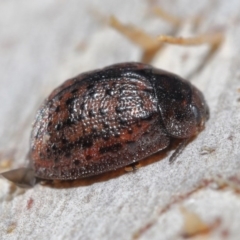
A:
[42,43]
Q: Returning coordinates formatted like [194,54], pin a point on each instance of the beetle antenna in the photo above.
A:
[179,150]
[214,40]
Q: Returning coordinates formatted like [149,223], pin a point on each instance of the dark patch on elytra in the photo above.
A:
[94,129]
[139,124]
[67,154]
[72,120]
[123,122]
[79,118]
[109,92]
[149,91]
[130,142]
[86,142]
[60,97]
[117,134]
[92,94]
[103,111]
[119,109]
[82,106]
[74,90]
[53,147]
[69,101]
[88,157]
[106,137]
[130,130]
[105,125]
[58,126]
[92,113]
[64,141]
[76,162]
[113,148]
[68,122]
[147,117]
[82,142]
[57,109]
[90,86]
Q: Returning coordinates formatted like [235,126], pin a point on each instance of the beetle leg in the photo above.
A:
[214,40]
[179,150]
[148,43]
[141,38]
[132,167]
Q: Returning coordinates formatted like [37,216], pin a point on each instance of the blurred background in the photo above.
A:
[43,43]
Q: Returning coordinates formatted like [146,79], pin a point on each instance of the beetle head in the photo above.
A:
[182,107]
[200,108]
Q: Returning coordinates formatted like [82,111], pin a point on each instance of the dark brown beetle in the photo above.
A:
[109,118]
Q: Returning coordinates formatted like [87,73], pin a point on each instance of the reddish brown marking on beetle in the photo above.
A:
[30,203]
[109,118]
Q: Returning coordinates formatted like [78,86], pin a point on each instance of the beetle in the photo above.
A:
[105,119]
